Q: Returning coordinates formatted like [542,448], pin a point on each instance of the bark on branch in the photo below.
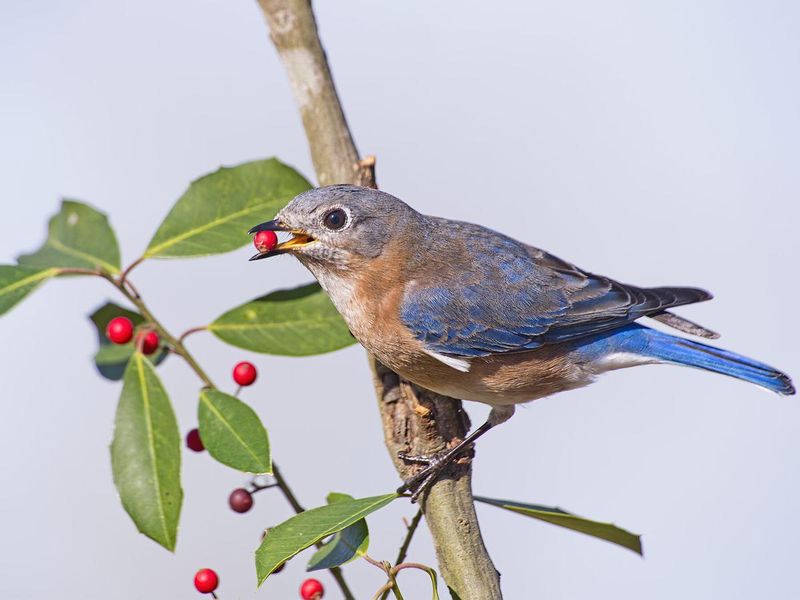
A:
[414,420]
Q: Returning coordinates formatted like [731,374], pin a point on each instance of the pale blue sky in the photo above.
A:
[653,142]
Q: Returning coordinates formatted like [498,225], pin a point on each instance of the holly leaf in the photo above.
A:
[78,237]
[297,322]
[349,543]
[232,433]
[146,454]
[215,213]
[18,282]
[307,528]
[112,359]
[556,516]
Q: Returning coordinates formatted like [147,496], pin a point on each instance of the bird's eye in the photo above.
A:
[335,219]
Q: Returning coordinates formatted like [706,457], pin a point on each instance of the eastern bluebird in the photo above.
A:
[473,314]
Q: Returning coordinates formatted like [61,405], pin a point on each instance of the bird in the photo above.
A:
[473,314]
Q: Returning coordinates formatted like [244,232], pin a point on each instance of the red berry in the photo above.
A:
[206,581]
[240,500]
[244,373]
[264,241]
[148,341]
[193,441]
[120,330]
[312,590]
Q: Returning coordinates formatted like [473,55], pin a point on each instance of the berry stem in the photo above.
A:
[124,275]
[189,332]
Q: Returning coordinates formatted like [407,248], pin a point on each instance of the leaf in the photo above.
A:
[18,282]
[78,237]
[309,527]
[146,454]
[233,433]
[297,322]
[112,359]
[347,544]
[556,516]
[214,214]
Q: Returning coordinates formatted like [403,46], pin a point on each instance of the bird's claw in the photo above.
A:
[434,465]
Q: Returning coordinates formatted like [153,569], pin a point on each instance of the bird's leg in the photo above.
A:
[434,465]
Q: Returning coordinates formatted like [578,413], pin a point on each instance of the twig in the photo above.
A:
[412,528]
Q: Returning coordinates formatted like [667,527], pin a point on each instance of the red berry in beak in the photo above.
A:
[264,241]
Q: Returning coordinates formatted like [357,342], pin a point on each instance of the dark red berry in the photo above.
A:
[244,373]
[240,500]
[120,330]
[264,241]
[312,590]
[148,341]
[193,441]
[206,581]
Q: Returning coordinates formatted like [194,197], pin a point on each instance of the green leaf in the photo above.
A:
[214,214]
[112,359]
[78,237]
[309,527]
[232,433]
[349,543]
[18,282]
[297,322]
[556,516]
[146,454]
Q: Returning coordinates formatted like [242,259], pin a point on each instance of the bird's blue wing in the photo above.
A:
[495,295]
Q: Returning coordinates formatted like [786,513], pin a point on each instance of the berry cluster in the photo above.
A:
[120,331]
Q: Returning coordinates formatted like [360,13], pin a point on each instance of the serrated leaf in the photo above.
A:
[297,322]
[112,359]
[232,433]
[346,545]
[18,282]
[146,454]
[78,237]
[307,528]
[214,214]
[556,516]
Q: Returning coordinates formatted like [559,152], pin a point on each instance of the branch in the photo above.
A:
[414,420]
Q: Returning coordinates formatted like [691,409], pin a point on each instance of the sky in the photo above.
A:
[656,143]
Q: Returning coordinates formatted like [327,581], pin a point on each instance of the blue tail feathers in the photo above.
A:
[669,348]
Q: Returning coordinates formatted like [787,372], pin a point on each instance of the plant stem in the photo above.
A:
[401,554]
[412,528]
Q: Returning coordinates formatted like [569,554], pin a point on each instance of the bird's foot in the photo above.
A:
[434,465]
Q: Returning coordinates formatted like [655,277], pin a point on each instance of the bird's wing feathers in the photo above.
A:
[496,295]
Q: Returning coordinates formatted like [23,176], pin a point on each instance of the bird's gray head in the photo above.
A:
[339,226]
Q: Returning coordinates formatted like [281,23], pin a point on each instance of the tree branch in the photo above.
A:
[414,420]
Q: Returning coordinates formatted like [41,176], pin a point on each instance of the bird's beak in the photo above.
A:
[299,238]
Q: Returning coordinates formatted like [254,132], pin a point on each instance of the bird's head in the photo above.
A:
[339,227]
